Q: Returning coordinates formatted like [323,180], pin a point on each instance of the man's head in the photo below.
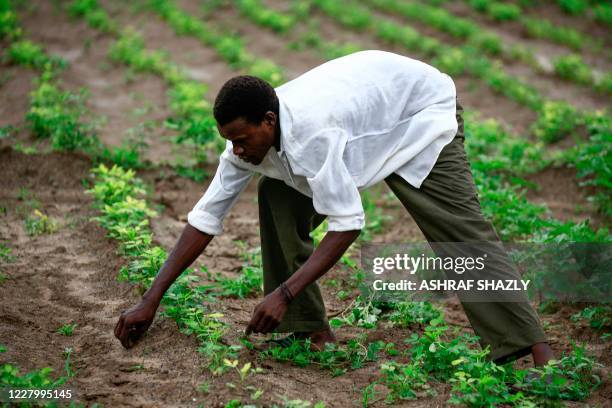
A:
[246,111]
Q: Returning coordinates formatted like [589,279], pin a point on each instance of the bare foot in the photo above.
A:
[318,338]
[542,354]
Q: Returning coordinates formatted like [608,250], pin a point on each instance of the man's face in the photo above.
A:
[250,141]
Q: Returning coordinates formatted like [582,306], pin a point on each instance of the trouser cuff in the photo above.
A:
[517,345]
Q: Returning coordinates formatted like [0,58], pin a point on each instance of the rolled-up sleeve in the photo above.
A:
[229,181]
[334,192]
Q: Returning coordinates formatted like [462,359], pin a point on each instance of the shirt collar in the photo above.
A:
[285,124]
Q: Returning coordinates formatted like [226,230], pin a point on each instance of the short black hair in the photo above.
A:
[245,96]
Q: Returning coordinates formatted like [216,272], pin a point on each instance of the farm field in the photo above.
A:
[107,141]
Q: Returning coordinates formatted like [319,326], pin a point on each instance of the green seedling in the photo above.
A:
[598,317]
[259,14]
[243,372]
[39,223]
[363,314]
[57,115]
[6,255]
[67,329]
[337,359]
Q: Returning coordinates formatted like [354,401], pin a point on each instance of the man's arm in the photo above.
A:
[329,251]
[134,322]
[269,313]
[204,221]
[190,245]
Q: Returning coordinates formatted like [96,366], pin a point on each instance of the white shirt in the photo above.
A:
[345,125]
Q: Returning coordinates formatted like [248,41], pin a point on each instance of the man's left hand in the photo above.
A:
[268,314]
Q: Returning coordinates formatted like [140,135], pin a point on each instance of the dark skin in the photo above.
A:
[251,142]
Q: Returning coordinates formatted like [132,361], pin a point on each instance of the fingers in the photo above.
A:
[262,323]
[271,325]
[118,326]
[126,331]
[254,323]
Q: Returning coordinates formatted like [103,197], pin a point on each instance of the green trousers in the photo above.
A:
[446,209]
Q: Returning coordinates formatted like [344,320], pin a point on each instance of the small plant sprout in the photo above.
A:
[67,329]
[39,223]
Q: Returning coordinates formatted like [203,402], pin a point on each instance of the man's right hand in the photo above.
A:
[134,322]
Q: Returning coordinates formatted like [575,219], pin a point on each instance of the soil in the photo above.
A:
[70,276]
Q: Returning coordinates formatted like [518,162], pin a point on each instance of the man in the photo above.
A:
[318,140]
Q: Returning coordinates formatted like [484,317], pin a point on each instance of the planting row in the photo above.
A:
[570,67]
[500,11]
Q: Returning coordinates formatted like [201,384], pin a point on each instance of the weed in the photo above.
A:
[39,223]
[67,329]
[598,317]
[363,314]
[6,255]
[337,359]
[243,372]
[405,314]
[204,387]
[7,131]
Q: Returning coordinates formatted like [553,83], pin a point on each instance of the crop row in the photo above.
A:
[229,47]
[31,55]
[534,27]
[570,67]
[599,11]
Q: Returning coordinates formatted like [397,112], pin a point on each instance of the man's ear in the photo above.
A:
[270,118]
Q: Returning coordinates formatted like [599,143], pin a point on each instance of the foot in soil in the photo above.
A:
[318,339]
[542,354]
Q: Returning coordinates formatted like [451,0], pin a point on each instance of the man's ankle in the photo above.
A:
[542,354]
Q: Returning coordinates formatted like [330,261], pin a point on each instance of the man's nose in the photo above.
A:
[238,150]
